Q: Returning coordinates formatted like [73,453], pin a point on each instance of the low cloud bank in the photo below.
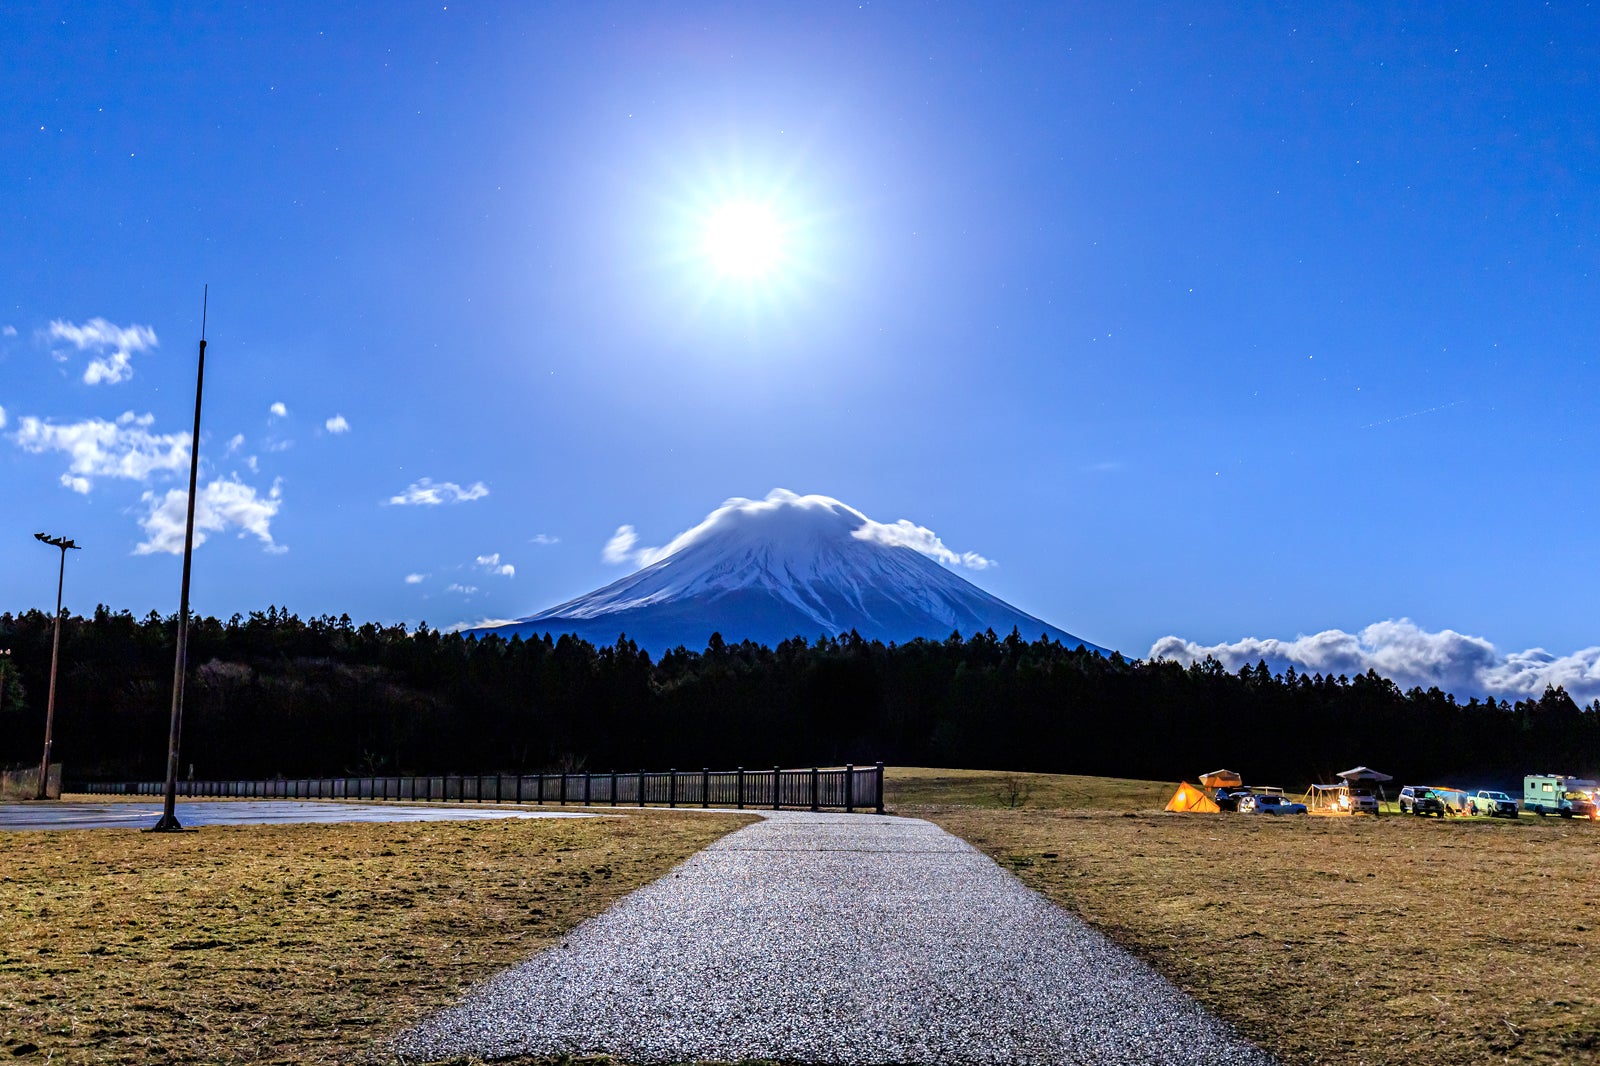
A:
[1410,656]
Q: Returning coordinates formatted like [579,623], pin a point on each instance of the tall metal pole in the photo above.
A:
[55,654]
[169,818]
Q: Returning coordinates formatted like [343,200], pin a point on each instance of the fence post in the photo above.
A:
[880,788]
[672,787]
[741,788]
[563,789]
[519,786]
[588,783]
[849,788]
[613,788]
[777,791]
[816,798]
[641,788]
[705,786]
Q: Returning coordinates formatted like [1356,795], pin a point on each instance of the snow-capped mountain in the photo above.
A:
[767,570]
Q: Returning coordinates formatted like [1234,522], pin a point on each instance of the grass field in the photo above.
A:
[293,943]
[1327,940]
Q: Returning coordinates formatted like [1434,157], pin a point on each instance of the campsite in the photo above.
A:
[1362,790]
[1359,939]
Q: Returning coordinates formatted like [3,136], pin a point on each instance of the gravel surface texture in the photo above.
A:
[833,939]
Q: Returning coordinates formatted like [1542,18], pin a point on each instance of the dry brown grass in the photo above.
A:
[1332,940]
[292,943]
[908,788]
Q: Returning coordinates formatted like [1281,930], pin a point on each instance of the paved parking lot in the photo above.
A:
[193,814]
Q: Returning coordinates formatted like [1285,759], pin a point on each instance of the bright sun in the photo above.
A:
[743,240]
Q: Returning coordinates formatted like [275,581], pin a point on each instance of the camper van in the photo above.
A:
[1570,797]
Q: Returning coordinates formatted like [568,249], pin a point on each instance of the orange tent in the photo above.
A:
[1190,800]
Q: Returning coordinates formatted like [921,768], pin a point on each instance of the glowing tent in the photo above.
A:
[1191,800]
[1221,779]
[1328,799]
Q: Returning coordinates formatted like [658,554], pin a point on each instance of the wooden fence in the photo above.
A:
[850,788]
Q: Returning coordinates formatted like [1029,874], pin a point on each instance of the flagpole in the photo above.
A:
[169,819]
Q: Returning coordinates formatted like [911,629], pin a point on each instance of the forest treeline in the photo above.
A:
[272,694]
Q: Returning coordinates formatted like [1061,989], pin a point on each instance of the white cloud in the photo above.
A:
[114,344]
[623,545]
[80,485]
[904,534]
[491,564]
[482,623]
[234,443]
[3,426]
[1409,656]
[416,579]
[250,461]
[426,493]
[337,424]
[465,590]
[619,549]
[541,539]
[8,331]
[97,448]
[278,410]
[223,504]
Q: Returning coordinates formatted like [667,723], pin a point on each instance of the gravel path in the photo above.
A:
[834,939]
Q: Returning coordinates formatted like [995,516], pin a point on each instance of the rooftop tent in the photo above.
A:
[1221,779]
[1364,773]
[1190,800]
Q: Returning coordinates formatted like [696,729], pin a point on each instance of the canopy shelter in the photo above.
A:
[1191,800]
[1221,779]
[1328,799]
[1366,781]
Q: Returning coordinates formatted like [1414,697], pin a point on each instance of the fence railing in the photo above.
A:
[851,788]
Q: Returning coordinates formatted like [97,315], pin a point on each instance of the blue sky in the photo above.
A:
[1231,323]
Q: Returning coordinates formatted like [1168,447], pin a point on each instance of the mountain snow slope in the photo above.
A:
[767,570]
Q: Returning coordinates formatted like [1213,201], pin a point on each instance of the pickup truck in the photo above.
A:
[1494,804]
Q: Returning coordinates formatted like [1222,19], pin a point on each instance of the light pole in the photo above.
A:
[169,818]
[55,652]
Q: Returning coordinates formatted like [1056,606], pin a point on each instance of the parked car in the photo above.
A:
[1494,804]
[1421,800]
[1269,804]
[1580,805]
[1228,798]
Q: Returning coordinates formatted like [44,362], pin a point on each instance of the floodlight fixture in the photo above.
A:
[64,544]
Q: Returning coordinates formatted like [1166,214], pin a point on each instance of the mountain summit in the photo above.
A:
[767,570]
